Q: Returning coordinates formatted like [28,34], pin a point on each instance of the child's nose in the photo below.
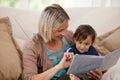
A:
[82,46]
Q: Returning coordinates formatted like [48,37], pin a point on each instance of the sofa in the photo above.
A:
[17,26]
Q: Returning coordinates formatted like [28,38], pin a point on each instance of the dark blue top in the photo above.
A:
[91,51]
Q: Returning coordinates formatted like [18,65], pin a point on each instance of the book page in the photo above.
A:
[110,60]
[84,63]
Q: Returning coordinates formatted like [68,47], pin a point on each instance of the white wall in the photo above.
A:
[102,19]
[91,3]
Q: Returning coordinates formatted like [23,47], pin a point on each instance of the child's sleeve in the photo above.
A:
[69,50]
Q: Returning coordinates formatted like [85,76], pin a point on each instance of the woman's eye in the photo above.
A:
[60,30]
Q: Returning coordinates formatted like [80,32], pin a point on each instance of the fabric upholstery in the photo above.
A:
[10,55]
[112,42]
[108,42]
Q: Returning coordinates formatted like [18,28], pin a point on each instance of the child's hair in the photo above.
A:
[83,31]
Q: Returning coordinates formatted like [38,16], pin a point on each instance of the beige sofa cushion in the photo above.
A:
[112,42]
[10,55]
[108,42]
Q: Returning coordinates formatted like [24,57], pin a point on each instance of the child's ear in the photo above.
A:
[92,43]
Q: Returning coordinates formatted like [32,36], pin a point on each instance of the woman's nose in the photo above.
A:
[64,32]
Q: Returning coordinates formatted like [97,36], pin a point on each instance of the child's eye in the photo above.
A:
[80,42]
[86,43]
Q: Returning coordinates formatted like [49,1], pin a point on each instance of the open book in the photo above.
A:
[85,63]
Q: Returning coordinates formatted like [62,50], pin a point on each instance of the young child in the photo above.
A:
[84,37]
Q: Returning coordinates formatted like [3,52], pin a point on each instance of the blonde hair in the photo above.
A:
[51,19]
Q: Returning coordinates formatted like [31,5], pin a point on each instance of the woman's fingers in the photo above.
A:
[69,55]
[73,77]
[66,61]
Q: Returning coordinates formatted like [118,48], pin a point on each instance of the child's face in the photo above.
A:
[84,45]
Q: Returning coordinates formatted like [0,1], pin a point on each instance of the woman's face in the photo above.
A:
[84,45]
[60,32]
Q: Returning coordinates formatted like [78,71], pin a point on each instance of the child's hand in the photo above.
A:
[97,74]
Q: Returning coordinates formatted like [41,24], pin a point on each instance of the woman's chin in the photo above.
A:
[59,38]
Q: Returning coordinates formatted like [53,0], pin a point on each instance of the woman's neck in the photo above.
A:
[54,45]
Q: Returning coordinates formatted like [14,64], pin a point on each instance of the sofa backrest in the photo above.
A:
[25,22]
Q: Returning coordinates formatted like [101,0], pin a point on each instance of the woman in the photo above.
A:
[43,56]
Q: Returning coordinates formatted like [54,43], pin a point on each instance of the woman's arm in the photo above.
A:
[30,70]
[65,62]
[30,66]
[47,75]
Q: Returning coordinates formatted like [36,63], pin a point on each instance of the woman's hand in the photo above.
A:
[73,77]
[97,74]
[66,60]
